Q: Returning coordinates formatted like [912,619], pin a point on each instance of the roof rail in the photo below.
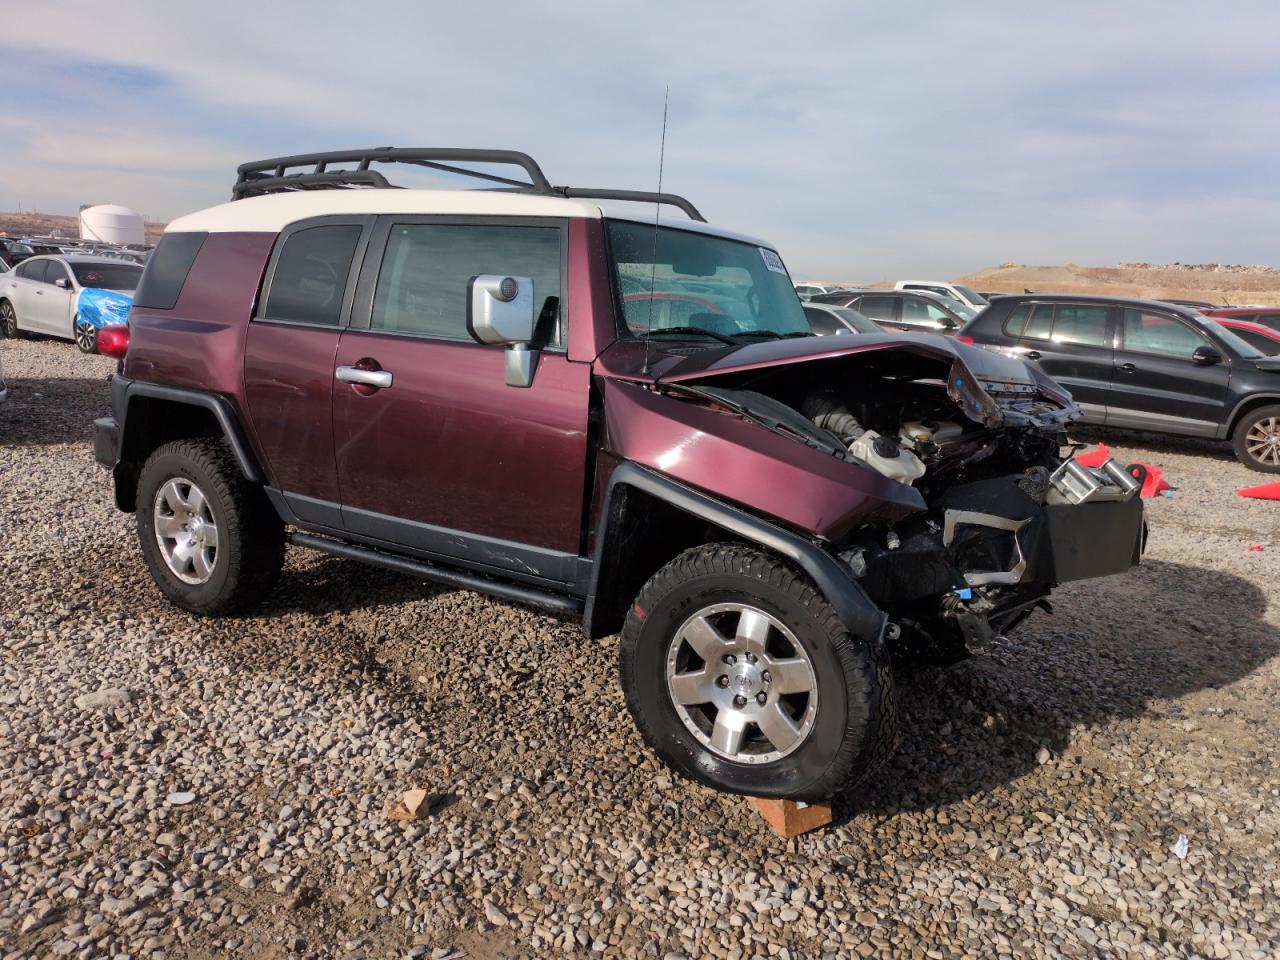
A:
[273,176]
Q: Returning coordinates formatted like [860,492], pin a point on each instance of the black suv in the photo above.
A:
[1145,365]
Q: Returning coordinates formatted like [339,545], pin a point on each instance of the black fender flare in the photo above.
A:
[854,608]
[1251,400]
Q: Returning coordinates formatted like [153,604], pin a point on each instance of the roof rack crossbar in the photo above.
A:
[273,176]
[269,176]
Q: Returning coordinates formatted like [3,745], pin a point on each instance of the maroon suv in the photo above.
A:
[607,415]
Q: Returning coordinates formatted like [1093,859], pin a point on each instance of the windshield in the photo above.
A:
[108,276]
[1233,340]
[974,298]
[679,280]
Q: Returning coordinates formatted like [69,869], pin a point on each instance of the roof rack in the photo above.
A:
[274,176]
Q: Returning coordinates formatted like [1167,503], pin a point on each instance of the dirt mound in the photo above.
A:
[1213,282]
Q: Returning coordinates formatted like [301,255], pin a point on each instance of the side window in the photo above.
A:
[423,279]
[311,274]
[1040,324]
[914,311]
[54,271]
[1016,322]
[877,308]
[166,270]
[1080,323]
[31,270]
[1148,332]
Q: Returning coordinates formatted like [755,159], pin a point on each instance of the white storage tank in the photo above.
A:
[109,223]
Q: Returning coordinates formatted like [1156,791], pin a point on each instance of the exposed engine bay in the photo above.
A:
[983,439]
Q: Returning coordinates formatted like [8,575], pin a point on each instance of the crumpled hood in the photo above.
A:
[104,308]
[991,388]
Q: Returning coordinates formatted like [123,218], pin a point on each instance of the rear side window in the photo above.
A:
[310,276]
[1040,323]
[31,270]
[877,308]
[166,270]
[425,272]
[1080,323]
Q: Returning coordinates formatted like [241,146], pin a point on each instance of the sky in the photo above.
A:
[866,141]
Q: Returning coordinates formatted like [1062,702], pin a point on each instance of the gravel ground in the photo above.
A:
[230,798]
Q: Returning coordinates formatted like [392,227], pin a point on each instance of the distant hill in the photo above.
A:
[55,225]
[1211,282]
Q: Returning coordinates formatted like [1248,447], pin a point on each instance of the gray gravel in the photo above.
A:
[172,787]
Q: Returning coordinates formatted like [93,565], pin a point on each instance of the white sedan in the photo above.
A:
[42,295]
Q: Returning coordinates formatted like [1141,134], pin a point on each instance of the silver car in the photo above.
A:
[41,295]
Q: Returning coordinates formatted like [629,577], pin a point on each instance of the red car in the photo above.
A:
[1267,316]
[1257,335]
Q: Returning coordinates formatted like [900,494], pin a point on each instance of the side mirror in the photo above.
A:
[1206,356]
[500,310]
[62,282]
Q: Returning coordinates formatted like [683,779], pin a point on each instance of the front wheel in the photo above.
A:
[86,335]
[740,676]
[1257,439]
[212,541]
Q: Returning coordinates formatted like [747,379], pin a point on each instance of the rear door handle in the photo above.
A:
[1033,354]
[381,379]
[1128,367]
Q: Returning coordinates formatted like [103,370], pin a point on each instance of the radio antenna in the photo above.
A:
[653,259]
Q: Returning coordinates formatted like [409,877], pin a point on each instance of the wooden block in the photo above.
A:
[790,818]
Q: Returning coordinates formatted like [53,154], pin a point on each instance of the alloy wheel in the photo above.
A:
[1262,442]
[186,530]
[8,320]
[741,683]
[86,336]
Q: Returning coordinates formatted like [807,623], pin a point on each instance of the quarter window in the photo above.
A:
[423,281]
[1016,322]
[1040,324]
[1147,332]
[311,274]
[166,270]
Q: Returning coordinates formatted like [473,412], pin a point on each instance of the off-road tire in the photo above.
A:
[250,534]
[1239,438]
[853,731]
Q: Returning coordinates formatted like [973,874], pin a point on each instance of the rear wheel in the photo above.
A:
[86,335]
[8,320]
[740,675]
[1257,439]
[212,541]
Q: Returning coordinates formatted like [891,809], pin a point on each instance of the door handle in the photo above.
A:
[1128,367]
[379,379]
[1033,354]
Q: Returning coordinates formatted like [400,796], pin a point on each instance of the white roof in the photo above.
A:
[273,212]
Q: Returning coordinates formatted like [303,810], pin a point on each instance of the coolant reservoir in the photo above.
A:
[931,431]
[887,457]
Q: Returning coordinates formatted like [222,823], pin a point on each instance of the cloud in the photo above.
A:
[865,140]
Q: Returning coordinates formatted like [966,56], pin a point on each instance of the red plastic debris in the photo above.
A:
[1255,548]
[1094,458]
[1267,491]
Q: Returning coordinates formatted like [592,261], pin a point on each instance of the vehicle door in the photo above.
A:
[57,299]
[21,285]
[883,310]
[1072,343]
[1166,375]
[289,356]
[921,316]
[435,451]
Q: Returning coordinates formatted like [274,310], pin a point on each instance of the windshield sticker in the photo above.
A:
[772,261]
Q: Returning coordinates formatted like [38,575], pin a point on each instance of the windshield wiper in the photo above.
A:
[723,338]
[774,334]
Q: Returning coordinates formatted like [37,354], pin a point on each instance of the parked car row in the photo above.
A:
[13,250]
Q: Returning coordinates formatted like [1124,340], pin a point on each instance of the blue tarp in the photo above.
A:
[103,308]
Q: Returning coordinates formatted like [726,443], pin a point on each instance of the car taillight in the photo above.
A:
[113,341]
[963,339]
